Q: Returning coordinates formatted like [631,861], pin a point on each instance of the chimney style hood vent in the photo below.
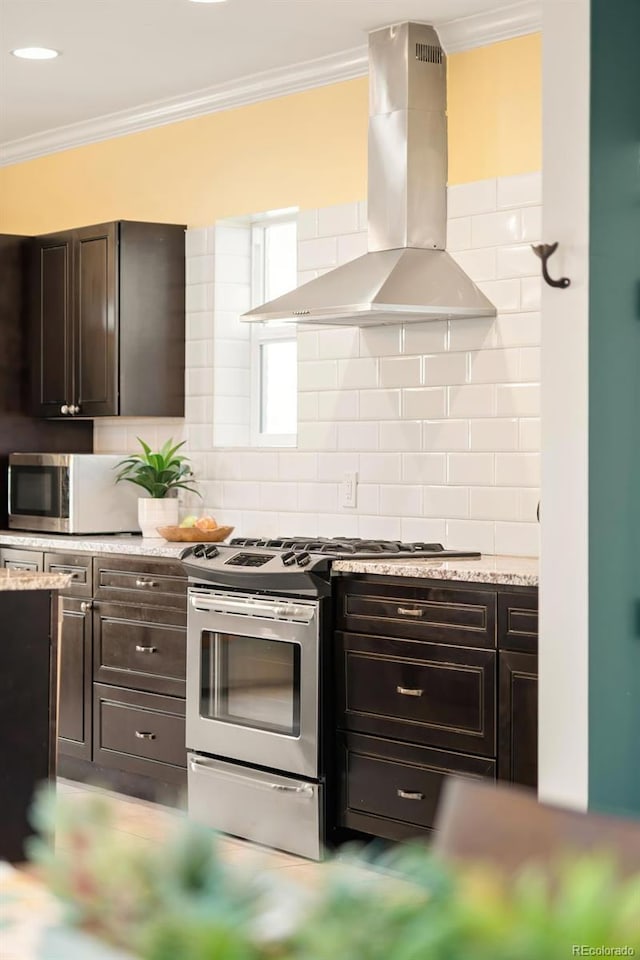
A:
[407,274]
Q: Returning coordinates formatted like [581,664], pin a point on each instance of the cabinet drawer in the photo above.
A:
[423,693]
[78,568]
[13,559]
[136,647]
[139,580]
[518,621]
[392,789]
[139,732]
[418,612]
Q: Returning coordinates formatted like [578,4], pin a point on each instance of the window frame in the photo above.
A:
[264,333]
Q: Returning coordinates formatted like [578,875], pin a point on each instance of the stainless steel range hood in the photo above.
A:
[407,274]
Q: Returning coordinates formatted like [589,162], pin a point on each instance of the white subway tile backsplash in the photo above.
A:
[495,229]
[340,219]
[428,337]
[307,224]
[459,234]
[360,435]
[479,264]
[494,366]
[439,419]
[518,539]
[338,405]
[400,371]
[518,400]
[380,404]
[472,400]
[380,341]
[518,260]
[404,435]
[465,199]
[429,468]
[361,372]
[531,225]
[338,343]
[317,254]
[400,500]
[480,534]
[318,375]
[424,403]
[494,434]
[521,190]
[494,503]
[445,502]
[518,469]
[445,369]
[446,435]
[380,468]
[352,246]
[470,469]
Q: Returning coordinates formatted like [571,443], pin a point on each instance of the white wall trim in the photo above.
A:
[456,35]
[564,570]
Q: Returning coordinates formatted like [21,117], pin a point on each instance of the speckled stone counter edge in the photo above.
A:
[32,580]
[131,546]
[503,571]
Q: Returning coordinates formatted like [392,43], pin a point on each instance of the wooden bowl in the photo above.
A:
[193,535]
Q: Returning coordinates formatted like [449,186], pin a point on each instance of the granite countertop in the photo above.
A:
[110,544]
[32,580]
[507,571]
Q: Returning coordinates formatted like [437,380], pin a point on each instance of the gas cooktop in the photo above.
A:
[296,565]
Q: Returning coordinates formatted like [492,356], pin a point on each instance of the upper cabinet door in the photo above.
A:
[52,273]
[95,339]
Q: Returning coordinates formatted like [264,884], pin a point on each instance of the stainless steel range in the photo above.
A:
[259,622]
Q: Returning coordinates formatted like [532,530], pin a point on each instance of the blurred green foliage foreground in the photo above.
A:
[178,901]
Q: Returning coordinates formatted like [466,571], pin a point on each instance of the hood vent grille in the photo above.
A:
[407,273]
[428,53]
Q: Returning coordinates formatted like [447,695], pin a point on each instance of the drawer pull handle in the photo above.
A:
[410,795]
[142,649]
[68,571]
[146,583]
[142,735]
[408,692]
[410,612]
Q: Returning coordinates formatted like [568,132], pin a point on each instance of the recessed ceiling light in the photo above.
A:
[36,53]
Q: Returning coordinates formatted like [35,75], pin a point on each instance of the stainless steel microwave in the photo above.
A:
[70,493]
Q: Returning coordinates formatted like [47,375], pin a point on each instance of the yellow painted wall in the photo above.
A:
[305,150]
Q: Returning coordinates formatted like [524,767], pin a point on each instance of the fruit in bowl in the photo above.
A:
[199,523]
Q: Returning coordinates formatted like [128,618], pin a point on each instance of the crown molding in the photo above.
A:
[456,35]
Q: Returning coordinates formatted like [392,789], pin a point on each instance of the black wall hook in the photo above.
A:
[544,251]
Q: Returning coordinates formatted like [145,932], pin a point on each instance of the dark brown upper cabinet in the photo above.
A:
[108,321]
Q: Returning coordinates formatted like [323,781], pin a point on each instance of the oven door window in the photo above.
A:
[39,491]
[251,682]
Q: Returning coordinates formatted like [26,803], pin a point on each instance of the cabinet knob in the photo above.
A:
[73,409]
[86,605]
[64,409]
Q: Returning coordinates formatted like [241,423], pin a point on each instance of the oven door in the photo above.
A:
[252,680]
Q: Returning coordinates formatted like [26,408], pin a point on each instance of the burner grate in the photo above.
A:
[338,546]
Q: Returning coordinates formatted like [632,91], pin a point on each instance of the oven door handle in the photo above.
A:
[304,790]
[282,611]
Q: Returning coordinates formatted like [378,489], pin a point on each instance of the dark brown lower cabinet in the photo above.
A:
[391,789]
[140,733]
[74,693]
[518,718]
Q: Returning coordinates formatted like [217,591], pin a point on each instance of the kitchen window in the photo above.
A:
[274,350]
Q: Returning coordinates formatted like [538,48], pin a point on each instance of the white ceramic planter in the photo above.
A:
[153,513]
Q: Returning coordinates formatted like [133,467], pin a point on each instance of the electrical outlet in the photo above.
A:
[350,489]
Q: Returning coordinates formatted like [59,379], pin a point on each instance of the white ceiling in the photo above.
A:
[121,54]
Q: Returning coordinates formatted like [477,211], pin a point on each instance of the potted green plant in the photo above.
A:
[161,475]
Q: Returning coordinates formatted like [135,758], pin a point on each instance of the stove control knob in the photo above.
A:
[288,558]
[186,553]
[200,551]
[211,552]
[303,559]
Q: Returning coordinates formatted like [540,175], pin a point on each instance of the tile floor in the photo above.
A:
[146,823]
